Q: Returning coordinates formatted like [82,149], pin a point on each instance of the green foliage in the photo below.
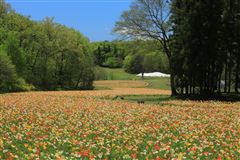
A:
[114,62]
[205,44]
[146,62]
[156,61]
[3,34]
[127,65]
[116,55]
[134,64]
[9,81]
[4,8]
[15,52]
[108,54]
[45,54]
[7,73]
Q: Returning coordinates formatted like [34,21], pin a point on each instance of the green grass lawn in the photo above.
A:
[158,83]
[119,74]
[102,73]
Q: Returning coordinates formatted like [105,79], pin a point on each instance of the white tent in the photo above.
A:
[154,74]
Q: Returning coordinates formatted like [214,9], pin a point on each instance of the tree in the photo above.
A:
[196,45]
[149,63]
[7,73]
[16,53]
[149,19]
[108,54]
[134,64]
[4,8]
[231,25]
[9,81]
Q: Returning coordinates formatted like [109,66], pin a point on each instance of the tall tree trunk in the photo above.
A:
[172,77]
[229,79]
[182,89]
[60,80]
[213,77]
[219,82]
[209,79]
[237,78]
[173,87]
[193,91]
[187,89]
[190,89]
[44,73]
[201,87]
[226,73]
[191,82]
[78,81]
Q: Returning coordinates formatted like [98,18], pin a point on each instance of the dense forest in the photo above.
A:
[201,40]
[42,55]
[207,46]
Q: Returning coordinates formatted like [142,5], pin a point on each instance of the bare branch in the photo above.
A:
[147,19]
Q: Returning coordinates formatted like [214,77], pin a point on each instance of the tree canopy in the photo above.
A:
[206,46]
[44,54]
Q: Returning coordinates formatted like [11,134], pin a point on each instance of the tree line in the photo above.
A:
[200,39]
[42,55]
[206,43]
[136,56]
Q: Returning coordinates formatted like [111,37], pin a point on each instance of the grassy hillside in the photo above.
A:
[102,73]
[119,74]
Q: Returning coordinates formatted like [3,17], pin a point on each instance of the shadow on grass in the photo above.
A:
[232,97]
[160,99]
[146,99]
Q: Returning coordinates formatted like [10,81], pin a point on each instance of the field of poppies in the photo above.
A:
[81,125]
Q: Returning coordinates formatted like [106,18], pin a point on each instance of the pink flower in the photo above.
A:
[219,158]
[157,147]
[134,155]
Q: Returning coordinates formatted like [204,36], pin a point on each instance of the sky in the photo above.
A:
[93,18]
